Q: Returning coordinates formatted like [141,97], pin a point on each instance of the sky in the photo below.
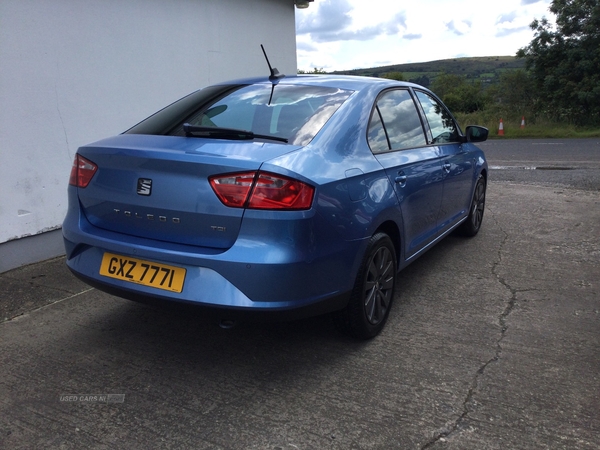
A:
[354,34]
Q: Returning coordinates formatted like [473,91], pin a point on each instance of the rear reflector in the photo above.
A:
[82,172]
[262,190]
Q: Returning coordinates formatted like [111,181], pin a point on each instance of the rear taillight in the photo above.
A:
[233,189]
[82,172]
[262,190]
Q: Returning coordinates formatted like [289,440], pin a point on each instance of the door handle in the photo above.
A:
[446,167]
[400,179]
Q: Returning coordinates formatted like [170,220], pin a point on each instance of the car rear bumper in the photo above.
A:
[223,312]
[295,282]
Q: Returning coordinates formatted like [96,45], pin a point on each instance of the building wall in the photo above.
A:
[74,71]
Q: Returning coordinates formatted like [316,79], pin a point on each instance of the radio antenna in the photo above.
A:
[275,75]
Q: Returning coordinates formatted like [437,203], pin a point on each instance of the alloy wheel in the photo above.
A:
[379,285]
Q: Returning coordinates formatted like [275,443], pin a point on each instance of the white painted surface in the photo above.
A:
[74,71]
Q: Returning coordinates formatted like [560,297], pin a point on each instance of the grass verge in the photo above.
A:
[538,130]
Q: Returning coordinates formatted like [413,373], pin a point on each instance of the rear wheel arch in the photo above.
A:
[484,174]
[390,228]
[470,227]
[373,293]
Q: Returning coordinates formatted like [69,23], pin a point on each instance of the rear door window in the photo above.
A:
[395,123]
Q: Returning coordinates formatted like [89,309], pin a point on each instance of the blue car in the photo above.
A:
[283,196]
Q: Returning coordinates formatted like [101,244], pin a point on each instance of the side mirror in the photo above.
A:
[476,133]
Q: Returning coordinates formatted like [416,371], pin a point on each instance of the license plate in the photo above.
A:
[147,273]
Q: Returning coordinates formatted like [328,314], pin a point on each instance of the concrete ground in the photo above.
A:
[493,343]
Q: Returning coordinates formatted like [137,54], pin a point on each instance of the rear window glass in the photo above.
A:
[293,112]
[397,112]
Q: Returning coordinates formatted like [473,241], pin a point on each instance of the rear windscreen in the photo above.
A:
[293,112]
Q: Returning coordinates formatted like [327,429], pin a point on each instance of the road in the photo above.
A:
[548,162]
[493,343]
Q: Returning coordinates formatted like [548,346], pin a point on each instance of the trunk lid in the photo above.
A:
[157,187]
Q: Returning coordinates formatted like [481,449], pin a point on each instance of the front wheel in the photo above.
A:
[373,292]
[471,226]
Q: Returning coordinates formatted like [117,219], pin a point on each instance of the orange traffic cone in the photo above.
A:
[523,122]
[501,128]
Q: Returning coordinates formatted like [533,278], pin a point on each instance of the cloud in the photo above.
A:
[529,2]
[412,37]
[364,34]
[305,46]
[333,22]
[333,17]
[394,25]
[509,17]
[508,31]
[459,28]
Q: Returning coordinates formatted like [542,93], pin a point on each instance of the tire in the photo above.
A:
[369,306]
[471,226]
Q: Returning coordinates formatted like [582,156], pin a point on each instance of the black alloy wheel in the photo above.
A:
[471,226]
[373,292]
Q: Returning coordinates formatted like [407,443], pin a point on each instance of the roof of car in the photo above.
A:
[355,83]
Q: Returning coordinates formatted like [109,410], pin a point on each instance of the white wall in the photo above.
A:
[74,71]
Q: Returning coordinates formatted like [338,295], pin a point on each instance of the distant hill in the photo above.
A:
[485,68]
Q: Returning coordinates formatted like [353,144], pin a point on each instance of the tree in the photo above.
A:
[564,61]
[459,94]
[514,95]
[314,71]
[446,83]
[398,76]
[423,80]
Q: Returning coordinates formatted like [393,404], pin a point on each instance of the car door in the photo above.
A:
[397,139]
[458,167]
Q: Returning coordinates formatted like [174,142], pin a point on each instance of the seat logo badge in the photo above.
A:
[144,186]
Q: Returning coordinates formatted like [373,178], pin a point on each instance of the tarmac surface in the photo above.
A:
[492,343]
